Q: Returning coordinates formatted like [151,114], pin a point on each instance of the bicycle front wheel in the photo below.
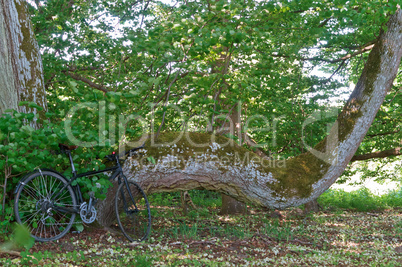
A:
[132,211]
[46,218]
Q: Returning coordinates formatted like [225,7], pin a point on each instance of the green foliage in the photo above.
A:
[19,239]
[143,260]
[37,258]
[278,231]
[23,149]
[165,199]
[22,237]
[6,215]
[151,160]
[360,200]
[168,55]
[201,198]
[392,199]
[185,230]
[79,227]
[205,198]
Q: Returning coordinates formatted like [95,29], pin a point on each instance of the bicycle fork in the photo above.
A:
[130,196]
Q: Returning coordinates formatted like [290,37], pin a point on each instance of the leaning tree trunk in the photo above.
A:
[21,70]
[214,163]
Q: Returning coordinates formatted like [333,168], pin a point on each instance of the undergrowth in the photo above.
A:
[360,200]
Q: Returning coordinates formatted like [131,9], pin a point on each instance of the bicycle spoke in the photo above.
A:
[133,212]
[41,186]
[44,184]
[57,190]
[63,196]
[51,186]
[36,187]
[34,207]
[56,230]
[31,191]
[32,215]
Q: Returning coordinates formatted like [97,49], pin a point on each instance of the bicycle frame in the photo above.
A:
[117,172]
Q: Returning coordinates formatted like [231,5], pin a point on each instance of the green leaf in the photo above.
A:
[34,105]
[27,129]
[22,237]
[22,103]
[151,159]
[79,227]
[73,85]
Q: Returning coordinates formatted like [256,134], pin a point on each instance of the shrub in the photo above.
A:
[360,200]
[24,149]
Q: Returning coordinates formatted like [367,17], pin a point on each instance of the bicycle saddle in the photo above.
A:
[67,147]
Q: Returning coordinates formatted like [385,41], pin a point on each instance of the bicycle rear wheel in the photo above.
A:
[34,207]
[132,211]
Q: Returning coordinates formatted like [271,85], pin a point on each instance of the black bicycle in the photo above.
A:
[47,203]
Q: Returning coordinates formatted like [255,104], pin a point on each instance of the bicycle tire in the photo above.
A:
[134,223]
[34,208]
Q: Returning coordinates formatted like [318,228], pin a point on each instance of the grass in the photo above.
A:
[345,233]
[360,200]
[322,239]
[202,198]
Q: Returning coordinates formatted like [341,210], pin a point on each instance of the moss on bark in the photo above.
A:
[31,84]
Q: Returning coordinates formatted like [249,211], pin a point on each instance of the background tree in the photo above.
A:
[21,71]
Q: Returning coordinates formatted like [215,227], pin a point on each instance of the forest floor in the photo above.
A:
[260,238]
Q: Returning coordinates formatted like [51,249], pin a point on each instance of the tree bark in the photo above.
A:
[229,204]
[21,70]
[192,160]
[232,206]
[311,206]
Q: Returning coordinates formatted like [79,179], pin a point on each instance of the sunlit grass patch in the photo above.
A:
[360,200]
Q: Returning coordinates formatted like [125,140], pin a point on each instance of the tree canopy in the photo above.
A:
[192,62]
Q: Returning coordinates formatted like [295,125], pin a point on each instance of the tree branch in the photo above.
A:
[339,67]
[166,101]
[348,56]
[381,134]
[358,52]
[379,154]
[87,81]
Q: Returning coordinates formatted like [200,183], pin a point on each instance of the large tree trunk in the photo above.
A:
[232,206]
[214,163]
[229,204]
[221,65]
[21,70]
